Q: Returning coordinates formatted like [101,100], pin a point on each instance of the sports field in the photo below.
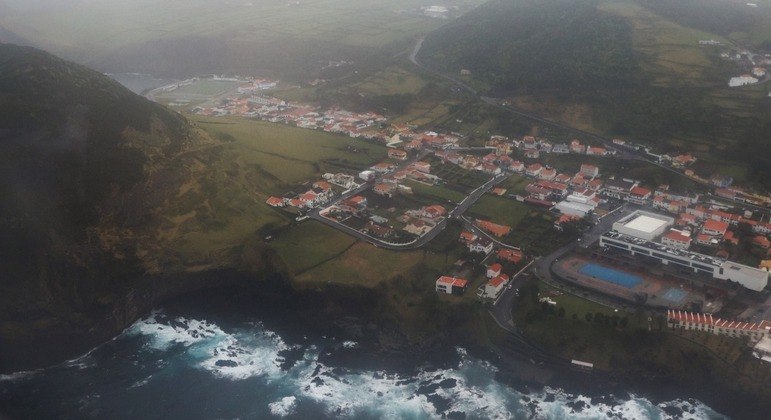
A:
[610,275]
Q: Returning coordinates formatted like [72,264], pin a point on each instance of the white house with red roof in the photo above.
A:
[639,195]
[708,323]
[714,227]
[495,286]
[451,285]
[590,171]
[676,239]
[494,270]
[534,169]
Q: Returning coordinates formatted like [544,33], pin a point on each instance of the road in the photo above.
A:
[456,212]
[608,143]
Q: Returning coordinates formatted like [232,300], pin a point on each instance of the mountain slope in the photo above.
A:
[628,68]
[90,176]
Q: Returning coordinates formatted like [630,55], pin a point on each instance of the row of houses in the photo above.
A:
[757,332]
[320,193]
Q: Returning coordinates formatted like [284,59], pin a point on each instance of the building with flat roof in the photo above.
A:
[687,261]
[643,225]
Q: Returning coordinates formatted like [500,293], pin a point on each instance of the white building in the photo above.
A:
[643,225]
[495,286]
[572,208]
[749,277]
[677,239]
[742,81]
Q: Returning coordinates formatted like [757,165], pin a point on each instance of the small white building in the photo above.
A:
[494,270]
[742,81]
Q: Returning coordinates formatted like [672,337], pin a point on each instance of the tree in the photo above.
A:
[561,312]
[588,317]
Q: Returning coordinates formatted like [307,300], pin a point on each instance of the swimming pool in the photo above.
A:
[610,275]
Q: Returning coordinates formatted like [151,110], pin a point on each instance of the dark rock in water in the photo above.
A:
[379,394]
[525,398]
[317,381]
[377,375]
[549,398]
[441,404]
[427,389]
[674,411]
[448,383]
[456,415]
[316,371]
[577,406]
[226,363]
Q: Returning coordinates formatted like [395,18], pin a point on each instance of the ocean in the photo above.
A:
[179,364]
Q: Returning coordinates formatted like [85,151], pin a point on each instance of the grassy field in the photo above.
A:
[291,155]
[203,88]
[362,264]
[310,244]
[624,341]
[501,210]
[252,161]
[392,80]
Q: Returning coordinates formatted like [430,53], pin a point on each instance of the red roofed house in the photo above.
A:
[731,238]
[548,173]
[761,241]
[494,287]
[433,212]
[676,239]
[382,167]
[577,147]
[495,229]
[467,237]
[590,171]
[681,161]
[534,169]
[418,227]
[714,227]
[705,322]
[494,270]
[276,202]
[322,185]
[511,255]
[596,151]
[451,285]
[517,166]
[397,154]
[424,167]
[639,195]
[499,191]
[386,190]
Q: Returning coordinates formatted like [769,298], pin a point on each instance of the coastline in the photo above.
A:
[295,315]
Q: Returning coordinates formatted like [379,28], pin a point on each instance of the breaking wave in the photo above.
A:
[468,390]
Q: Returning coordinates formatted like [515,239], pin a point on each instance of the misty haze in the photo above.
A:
[465,209]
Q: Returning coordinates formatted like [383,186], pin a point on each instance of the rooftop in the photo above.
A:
[645,223]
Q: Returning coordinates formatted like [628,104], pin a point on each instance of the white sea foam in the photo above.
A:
[470,388]
[182,331]
[283,407]
[350,344]
[17,376]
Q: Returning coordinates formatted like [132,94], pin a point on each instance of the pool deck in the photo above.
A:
[651,290]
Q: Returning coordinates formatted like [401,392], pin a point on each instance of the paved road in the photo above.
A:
[608,143]
[419,242]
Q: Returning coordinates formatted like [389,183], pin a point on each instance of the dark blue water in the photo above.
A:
[170,366]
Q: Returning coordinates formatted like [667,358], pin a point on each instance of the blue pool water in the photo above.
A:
[610,275]
[675,295]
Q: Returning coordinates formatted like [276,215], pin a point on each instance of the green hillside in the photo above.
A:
[622,68]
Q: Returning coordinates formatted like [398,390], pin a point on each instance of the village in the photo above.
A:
[432,180]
